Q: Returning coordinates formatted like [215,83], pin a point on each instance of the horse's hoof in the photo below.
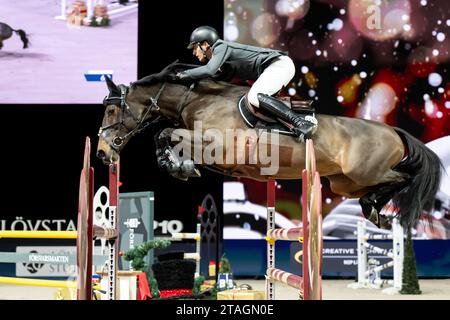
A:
[385,223]
[188,169]
[373,217]
[197,173]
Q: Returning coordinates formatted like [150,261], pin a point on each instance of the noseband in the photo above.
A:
[117,141]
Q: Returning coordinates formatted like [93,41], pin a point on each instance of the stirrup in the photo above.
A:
[300,134]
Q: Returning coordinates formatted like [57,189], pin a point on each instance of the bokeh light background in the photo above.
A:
[383,60]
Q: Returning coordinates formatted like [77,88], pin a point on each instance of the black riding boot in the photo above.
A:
[302,127]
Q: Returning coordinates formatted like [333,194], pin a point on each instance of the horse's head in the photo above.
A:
[125,115]
[131,109]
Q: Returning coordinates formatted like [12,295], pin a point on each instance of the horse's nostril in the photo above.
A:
[101,154]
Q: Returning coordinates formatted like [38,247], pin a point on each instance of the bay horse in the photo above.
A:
[361,159]
[6,32]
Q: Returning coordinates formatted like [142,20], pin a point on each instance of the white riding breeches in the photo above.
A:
[274,77]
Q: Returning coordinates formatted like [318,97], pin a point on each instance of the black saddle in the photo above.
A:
[258,119]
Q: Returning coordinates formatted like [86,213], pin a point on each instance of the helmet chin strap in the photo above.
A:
[204,52]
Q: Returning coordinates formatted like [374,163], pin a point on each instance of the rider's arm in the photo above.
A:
[219,56]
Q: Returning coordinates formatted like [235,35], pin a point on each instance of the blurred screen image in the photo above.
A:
[59,51]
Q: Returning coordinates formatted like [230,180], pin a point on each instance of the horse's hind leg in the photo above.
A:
[373,202]
[371,199]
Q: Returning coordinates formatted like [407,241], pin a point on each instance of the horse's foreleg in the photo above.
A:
[162,139]
[169,160]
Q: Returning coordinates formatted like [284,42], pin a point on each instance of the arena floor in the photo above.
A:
[438,289]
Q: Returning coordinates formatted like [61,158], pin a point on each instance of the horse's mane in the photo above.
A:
[209,85]
[150,80]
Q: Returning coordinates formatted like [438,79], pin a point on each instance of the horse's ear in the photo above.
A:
[111,86]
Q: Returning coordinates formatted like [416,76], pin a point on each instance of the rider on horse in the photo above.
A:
[272,69]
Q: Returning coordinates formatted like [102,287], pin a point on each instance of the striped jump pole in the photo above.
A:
[286,234]
[288,278]
[270,285]
[113,245]
[105,233]
[184,236]
[309,285]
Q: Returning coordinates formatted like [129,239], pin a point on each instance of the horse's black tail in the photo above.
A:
[23,37]
[423,167]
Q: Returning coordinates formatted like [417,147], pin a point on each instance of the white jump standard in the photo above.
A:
[369,269]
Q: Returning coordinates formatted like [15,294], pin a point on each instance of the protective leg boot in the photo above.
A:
[301,127]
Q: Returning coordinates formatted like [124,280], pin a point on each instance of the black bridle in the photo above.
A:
[140,123]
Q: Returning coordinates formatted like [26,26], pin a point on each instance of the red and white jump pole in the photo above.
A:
[310,234]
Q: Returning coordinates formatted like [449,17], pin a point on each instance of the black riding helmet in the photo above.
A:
[203,33]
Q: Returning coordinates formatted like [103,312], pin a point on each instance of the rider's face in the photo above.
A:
[197,51]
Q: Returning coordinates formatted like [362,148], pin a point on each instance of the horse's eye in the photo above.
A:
[110,112]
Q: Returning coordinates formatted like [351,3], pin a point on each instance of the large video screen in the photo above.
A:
[385,61]
[59,51]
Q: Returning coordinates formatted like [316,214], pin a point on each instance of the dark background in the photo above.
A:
[42,145]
